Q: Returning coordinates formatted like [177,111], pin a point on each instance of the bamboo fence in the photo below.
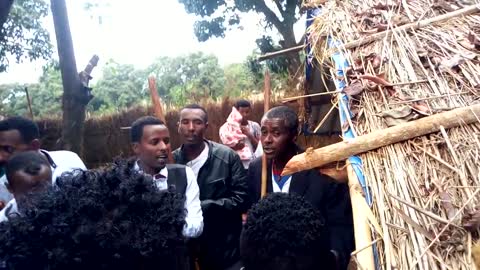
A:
[421,57]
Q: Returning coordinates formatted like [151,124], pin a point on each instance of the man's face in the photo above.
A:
[10,143]
[192,126]
[154,146]
[275,137]
[22,182]
[245,112]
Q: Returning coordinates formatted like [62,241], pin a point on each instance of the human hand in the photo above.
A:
[239,146]
[246,131]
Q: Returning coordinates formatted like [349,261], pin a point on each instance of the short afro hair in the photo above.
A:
[284,232]
[110,219]
[286,113]
[28,161]
[27,128]
[242,103]
[136,130]
[197,107]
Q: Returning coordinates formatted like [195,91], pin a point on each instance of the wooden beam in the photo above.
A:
[362,231]
[383,137]
[157,106]
[281,52]
[266,107]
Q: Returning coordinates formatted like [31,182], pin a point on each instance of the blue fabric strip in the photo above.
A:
[341,64]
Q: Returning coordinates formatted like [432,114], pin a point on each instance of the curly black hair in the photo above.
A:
[110,219]
[285,232]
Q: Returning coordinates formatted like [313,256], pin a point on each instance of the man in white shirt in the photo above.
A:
[18,134]
[151,144]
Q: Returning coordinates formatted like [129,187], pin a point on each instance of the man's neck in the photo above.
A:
[279,163]
[147,169]
[192,151]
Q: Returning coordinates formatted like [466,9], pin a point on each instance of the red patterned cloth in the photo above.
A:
[231,134]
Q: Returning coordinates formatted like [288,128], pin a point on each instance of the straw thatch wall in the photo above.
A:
[424,190]
[105,140]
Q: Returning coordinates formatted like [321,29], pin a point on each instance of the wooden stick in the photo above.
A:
[362,231]
[379,138]
[157,106]
[311,95]
[278,53]
[412,26]
[326,117]
[29,102]
[428,98]
[266,107]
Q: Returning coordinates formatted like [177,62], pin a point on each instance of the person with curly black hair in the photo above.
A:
[27,172]
[110,219]
[285,232]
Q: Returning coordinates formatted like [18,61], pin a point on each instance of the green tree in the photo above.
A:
[238,80]
[191,77]
[46,95]
[121,86]
[219,16]
[22,35]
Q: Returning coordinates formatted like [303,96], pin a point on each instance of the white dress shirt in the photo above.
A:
[197,163]
[194,219]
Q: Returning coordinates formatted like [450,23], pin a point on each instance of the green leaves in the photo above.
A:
[23,35]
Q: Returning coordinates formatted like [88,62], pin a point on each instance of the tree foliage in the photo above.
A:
[216,17]
[46,95]
[184,79]
[23,36]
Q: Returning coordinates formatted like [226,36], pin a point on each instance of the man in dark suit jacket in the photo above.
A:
[278,134]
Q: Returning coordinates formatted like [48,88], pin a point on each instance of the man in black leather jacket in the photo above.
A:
[223,190]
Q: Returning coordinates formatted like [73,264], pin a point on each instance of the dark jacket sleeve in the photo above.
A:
[339,220]
[237,185]
[254,179]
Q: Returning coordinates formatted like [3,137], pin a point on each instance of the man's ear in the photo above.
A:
[35,144]
[206,125]
[136,148]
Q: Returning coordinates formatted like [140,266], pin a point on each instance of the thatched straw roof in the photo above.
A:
[424,190]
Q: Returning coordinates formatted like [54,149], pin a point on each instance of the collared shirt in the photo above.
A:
[60,162]
[194,220]
[286,186]
[197,163]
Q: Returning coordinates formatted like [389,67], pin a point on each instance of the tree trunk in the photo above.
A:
[5,6]
[75,97]
[294,62]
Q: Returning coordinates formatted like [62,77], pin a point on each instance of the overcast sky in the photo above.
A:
[136,32]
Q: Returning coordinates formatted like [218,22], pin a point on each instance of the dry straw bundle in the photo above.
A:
[425,190]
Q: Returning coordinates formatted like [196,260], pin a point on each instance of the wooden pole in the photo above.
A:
[379,138]
[157,106]
[29,102]
[266,107]
[281,52]
[158,110]
[362,231]
[415,25]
